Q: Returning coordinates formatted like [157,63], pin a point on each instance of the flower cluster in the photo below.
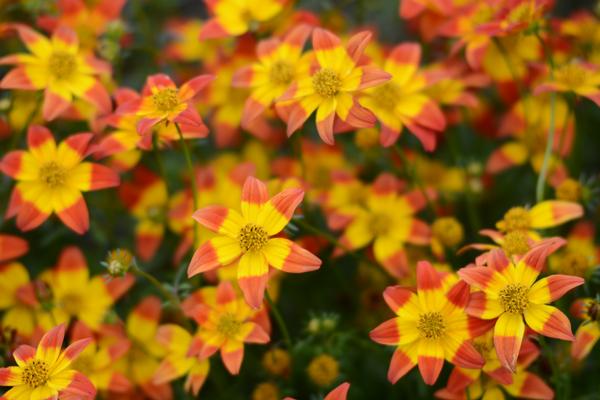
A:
[217,199]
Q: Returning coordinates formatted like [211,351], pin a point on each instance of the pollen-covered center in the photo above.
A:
[228,325]
[165,100]
[386,96]
[61,65]
[431,325]
[253,237]
[35,373]
[517,218]
[281,73]
[71,303]
[380,224]
[516,243]
[326,82]
[573,75]
[52,174]
[574,263]
[513,297]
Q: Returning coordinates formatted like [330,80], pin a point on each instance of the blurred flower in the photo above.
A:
[17,299]
[402,101]
[429,326]
[118,262]
[12,247]
[339,393]
[179,362]
[226,325]
[236,17]
[576,77]
[58,67]
[323,370]
[588,333]
[509,293]
[277,362]
[50,179]
[265,391]
[46,372]
[279,64]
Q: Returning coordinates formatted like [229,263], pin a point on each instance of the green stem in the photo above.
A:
[539,188]
[190,166]
[159,286]
[280,322]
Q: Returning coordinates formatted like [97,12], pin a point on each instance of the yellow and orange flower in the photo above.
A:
[577,77]
[50,179]
[387,219]
[430,326]
[58,67]
[76,295]
[178,362]
[46,372]
[508,293]
[471,383]
[332,85]
[236,17]
[99,359]
[247,237]
[588,333]
[279,64]
[226,325]
[402,101]
[146,198]
[17,299]
[162,101]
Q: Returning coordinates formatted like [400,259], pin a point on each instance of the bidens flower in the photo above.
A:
[509,293]
[58,67]
[247,237]
[430,326]
[226,324]
[45,372]
[402,101]
[332,85]
[236,17]
[50,179]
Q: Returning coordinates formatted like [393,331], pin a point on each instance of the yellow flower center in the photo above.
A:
[380,224]
[52,174]
[431,325]
[326,82]
[281,73]
[569,190]
[71,303]
[572,75]
[513,298]
[515,219]
[448,231]
[574,263]
[323,370]
[516,243]
[36,373]
[593,310]
[165,100]
[61,65]
[228,325]
[253,237]
[386,96]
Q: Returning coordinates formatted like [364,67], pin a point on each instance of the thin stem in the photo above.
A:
[190,166]
[539,189]
[174,300]
[280,322]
